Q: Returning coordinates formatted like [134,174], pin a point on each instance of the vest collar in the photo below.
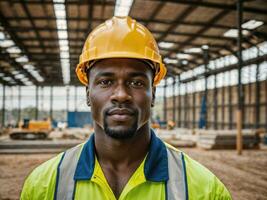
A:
[155,168]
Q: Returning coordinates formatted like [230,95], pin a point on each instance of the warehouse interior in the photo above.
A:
[212,103]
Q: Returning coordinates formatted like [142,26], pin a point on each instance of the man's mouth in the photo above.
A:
[120,114]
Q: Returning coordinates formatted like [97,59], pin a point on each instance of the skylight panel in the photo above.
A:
[252,24]
[166,45]
[60,12]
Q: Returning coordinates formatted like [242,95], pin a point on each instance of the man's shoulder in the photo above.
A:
[46,168]
[41,180]
[200,180]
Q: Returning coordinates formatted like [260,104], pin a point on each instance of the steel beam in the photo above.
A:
[18,42]
[144,21]
[220,6]
[181,16]
[227,68]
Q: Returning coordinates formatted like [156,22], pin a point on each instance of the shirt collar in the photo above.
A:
[155,168]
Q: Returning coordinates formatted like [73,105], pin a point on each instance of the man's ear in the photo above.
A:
[153,96]
[87,97]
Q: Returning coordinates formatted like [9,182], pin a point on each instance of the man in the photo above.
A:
[120,66]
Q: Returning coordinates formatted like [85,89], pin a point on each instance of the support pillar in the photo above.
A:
[257,100]
[223,106]
[206,61]
[75,98]
[37,102]
[185,106]
[239,123]
[19,104]
[194,106]
[173,101]
[180,102]
[165,102]
[67,98]
[4,106]
[215,103]
[51,103]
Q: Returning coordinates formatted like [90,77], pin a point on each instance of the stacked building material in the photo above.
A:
[177,137]
[226,139]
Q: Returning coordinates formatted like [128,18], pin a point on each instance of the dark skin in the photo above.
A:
[125,84]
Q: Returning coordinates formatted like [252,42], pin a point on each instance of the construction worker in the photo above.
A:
[120,66]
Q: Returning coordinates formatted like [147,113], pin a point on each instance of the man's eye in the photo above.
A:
[136,83]
[105,82]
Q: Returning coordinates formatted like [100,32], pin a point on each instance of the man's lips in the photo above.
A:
[120,114]
[120,111]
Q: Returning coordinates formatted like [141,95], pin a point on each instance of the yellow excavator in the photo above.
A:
[31,130]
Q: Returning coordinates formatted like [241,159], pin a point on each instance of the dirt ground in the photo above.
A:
[245,176]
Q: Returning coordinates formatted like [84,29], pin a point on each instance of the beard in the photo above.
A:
[121,134]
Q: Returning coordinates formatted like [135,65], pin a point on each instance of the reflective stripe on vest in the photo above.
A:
[65,183]
[176,185]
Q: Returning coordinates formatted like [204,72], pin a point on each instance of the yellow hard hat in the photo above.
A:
[120,37]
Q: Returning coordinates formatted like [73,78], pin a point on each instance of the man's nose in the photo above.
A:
[121,94]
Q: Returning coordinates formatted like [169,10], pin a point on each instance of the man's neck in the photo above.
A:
[122,153]
[119,159]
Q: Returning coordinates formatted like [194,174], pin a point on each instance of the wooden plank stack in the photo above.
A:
[226,139]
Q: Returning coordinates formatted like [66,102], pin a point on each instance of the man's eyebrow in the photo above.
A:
[134,74]
[100,74]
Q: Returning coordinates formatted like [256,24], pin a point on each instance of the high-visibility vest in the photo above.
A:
[176,185]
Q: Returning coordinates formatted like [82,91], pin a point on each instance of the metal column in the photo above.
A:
[215,103]
[165,102]
[223,105]
[19,104]
[194,106]
[265,106]
[42,103]
[68,99]
[230,108]
[4,106]
[51,103]
[37,102]
[179,103]
[173,100]
[239,142]
[206,61]
[185,106]
[258,92]
[75,98]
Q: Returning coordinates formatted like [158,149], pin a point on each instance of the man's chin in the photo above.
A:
[121,133]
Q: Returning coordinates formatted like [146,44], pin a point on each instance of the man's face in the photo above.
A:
[120,93]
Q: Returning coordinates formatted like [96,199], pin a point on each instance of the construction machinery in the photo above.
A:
[31,130]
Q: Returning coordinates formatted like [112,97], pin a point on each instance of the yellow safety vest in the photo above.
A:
[165,173]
